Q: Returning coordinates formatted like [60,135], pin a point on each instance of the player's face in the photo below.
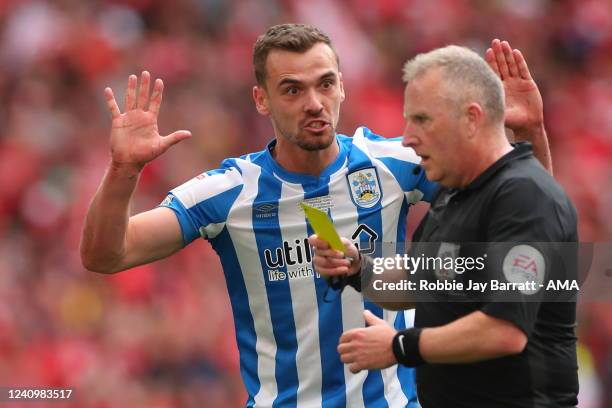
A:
[302,96]
[432,128]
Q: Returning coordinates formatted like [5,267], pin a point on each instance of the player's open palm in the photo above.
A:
[524,107]
[135,139]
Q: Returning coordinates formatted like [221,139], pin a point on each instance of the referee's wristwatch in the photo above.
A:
[406,347]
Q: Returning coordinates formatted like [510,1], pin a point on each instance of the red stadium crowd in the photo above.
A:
[162,335]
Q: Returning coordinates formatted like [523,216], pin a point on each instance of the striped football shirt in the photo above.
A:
[287,333]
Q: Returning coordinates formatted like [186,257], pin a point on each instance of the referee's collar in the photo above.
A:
[521,150]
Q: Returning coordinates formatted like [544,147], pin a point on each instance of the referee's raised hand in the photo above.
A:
[524,107]
[135,139]
[524,113]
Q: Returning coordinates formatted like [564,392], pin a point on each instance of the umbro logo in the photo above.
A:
[265,208]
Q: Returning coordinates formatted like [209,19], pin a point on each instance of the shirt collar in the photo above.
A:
[299,178]
[520,151]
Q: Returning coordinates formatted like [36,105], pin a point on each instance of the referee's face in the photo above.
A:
[432,128]
[302,96]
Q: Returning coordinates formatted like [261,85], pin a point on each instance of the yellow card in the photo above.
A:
[323,227]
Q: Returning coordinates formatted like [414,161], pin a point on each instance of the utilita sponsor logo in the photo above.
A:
[289,255]
[292,259]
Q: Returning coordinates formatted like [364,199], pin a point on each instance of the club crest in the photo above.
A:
[365,188]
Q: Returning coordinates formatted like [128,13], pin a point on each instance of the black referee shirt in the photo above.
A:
[513,201]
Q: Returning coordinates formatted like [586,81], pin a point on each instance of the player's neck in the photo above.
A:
[297,160]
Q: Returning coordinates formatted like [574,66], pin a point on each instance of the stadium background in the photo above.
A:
[162,335]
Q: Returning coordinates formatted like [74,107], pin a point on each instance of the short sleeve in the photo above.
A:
[521,230]
[523,264]
[203,203]
[523,211]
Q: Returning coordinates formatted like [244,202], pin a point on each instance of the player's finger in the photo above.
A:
[331,261]
[156,96]
[174,138]
[112,103]
[500,59]
[522,65]
[509,57]
[344,348]
[371,319]
[318,243]
[329,253]
[130,94]
[355,368]
[313,240]
[320,261]
[350,248]
[348,358]
[348,335]
[322,256]
[339,262]
[337,254]
[490,58]
[143,90]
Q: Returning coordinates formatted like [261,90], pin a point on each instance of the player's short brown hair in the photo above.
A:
[289,37]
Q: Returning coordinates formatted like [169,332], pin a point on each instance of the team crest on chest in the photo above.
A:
[365,187]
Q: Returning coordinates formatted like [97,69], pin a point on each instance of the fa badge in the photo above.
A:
[448,251]
[524,263]
[365,188]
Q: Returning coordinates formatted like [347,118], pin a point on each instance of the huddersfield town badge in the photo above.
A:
[365,188]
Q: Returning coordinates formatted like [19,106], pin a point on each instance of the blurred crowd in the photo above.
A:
[162,335]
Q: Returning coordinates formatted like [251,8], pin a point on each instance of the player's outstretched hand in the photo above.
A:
[368,348]
[524,107]
[135,139]
[329,262]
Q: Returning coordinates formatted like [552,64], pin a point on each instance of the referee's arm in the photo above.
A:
[470,339]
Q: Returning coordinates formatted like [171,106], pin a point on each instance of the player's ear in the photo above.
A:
[261,100]
[342,95]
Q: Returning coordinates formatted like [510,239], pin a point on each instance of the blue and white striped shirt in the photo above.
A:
[286,333]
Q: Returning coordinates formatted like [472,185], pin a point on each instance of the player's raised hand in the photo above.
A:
[524,108]
[135,139]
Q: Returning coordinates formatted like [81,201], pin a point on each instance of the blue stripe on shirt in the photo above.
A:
[278,292]
[373,387]
[244,325]
[330,326]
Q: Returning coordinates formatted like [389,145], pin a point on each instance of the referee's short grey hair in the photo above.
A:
[466,74]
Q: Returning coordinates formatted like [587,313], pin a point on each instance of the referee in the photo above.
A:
[473,349]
